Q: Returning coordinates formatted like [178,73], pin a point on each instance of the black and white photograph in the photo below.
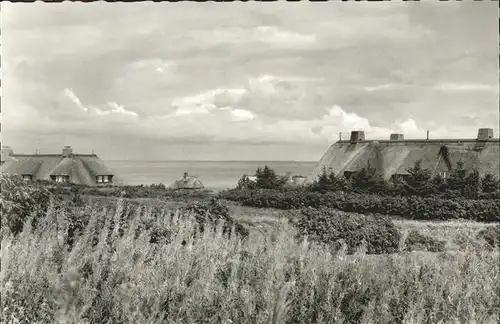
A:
[273,162]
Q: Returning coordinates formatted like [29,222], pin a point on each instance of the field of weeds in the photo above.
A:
[112,273]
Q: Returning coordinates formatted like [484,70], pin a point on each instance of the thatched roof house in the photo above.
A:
[87,169]
[392,158]
[187,182]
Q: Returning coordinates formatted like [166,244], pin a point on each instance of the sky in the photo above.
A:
[243,81]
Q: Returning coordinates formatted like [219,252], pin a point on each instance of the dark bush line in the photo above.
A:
[332,227]
[412,207]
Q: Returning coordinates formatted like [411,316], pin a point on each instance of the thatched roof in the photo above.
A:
[81,168]
[395,157]
[189,182]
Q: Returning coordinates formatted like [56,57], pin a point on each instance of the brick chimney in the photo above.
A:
[484,134]
[6,151]
[397,137]
[357,136]
[67,151]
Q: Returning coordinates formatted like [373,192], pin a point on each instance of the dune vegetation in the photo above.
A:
[71,259]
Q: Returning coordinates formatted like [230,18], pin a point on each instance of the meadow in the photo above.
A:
[89,259]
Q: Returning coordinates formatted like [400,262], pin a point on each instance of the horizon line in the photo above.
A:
[159,160]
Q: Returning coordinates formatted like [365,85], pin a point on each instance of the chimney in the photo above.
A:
[185,175]
[427,135]
[67,151]
[357,136]
[6,151]
[484,134]
[397,137]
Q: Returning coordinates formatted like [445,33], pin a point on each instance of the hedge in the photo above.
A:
[412,207]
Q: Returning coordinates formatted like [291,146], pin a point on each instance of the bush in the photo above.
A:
[158,191]
[412,207]
[415,241]
[331,226]
[213,211]
[20,200]
[491,235]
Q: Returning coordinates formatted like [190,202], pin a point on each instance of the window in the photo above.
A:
[103,179]
[61,178]
[443,174]
[26,177]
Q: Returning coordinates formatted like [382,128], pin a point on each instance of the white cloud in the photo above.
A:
[464,87]
[275,35]
[71,95]
[242,115]
[117,109]
[381,87]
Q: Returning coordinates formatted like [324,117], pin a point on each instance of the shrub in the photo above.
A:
[328,181]
[245,183]
[490,184]
[491,235]
[331,226]
[415,241]
[20,200]
[214,211]
[418,182]
[268,179]
[412,207]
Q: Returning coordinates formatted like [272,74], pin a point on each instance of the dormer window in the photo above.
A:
[27,177]
[103,178]
[60,178]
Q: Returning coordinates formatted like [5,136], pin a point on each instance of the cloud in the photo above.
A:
[116,109]
[288,73]
[465,87]
[383,87]
[104,110]
[71,95]
[275,35]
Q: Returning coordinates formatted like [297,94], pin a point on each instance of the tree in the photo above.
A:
[367,180]
[245,183]
[439,184]
[458,178]
[268,179]
[472,185]
[338,182]
[418,181]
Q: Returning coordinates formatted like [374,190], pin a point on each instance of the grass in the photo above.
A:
[214,278]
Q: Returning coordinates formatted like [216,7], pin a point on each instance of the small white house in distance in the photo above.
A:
[187,182]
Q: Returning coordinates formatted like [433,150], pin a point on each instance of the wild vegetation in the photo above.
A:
[123,270]
[463,195]
[460,183]
[72,258]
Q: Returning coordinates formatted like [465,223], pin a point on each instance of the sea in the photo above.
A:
[215,175]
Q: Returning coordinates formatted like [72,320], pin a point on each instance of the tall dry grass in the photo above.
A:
[112,276]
